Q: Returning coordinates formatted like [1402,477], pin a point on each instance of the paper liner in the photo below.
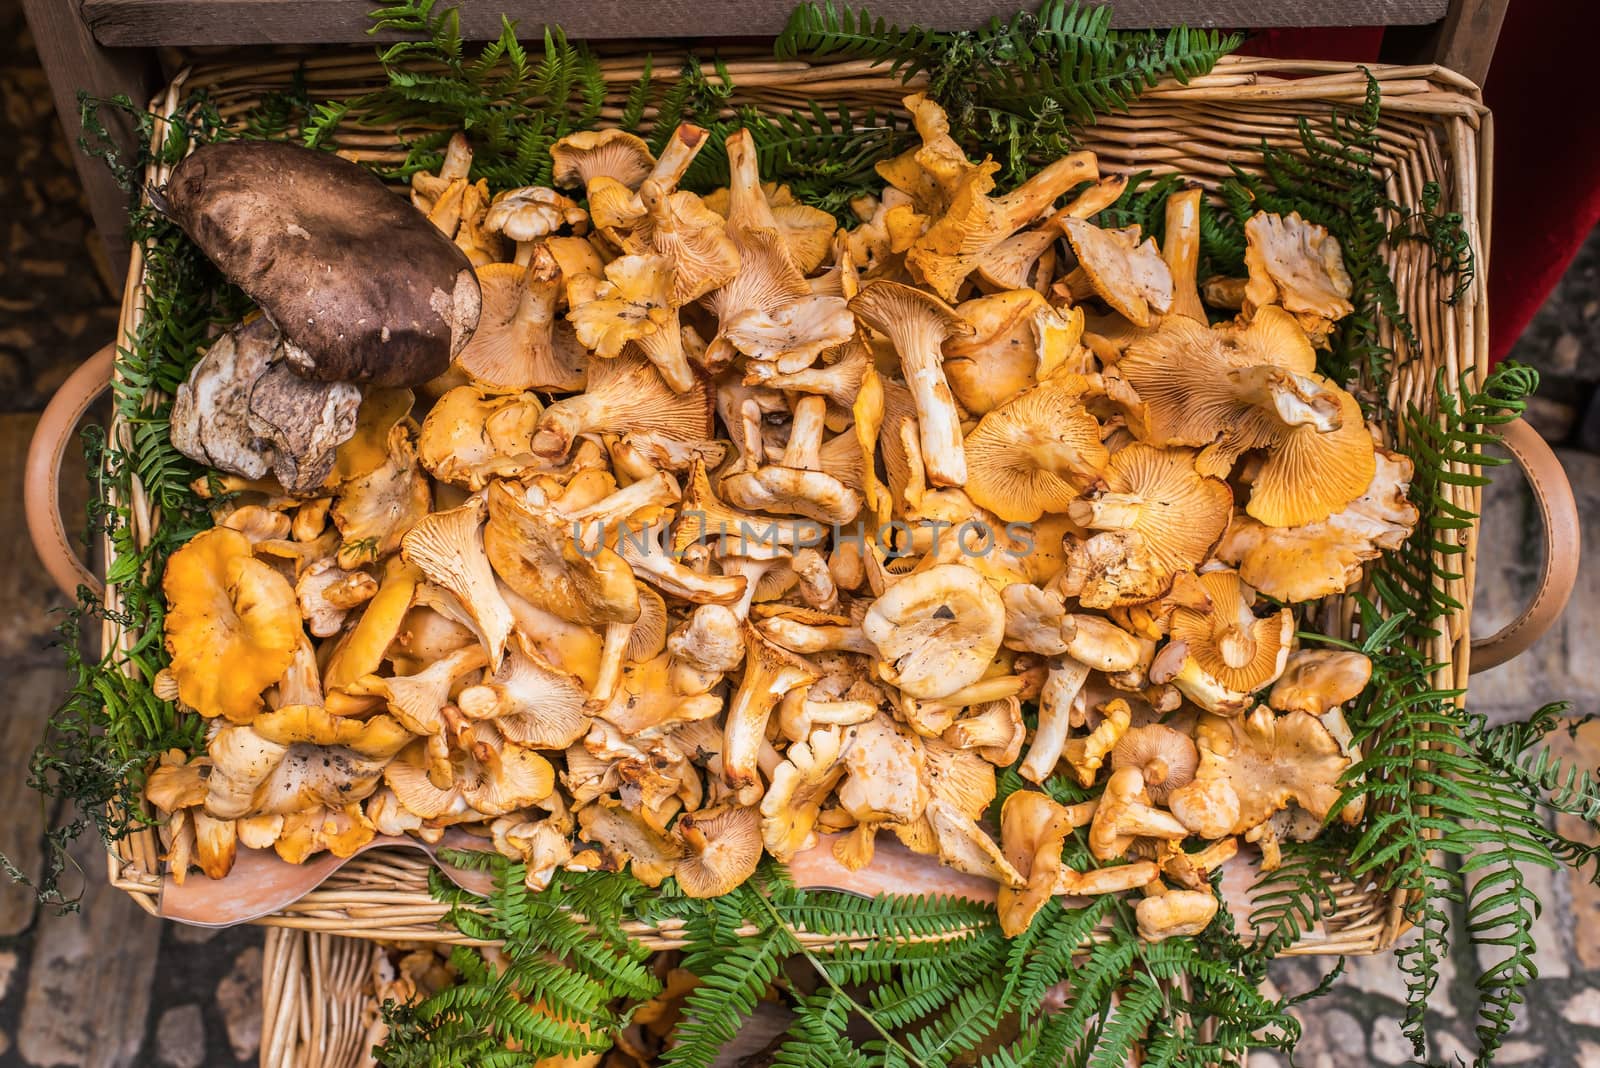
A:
[261,883]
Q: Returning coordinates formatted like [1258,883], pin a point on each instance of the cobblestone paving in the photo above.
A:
[112,987]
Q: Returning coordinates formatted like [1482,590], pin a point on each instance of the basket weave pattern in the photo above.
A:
[1434,128]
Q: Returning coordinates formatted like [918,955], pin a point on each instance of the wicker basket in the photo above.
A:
[317,1000]
[1434,128]
[320,1001]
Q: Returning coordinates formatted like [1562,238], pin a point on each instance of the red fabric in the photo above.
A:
[1352,44]
[1546,155]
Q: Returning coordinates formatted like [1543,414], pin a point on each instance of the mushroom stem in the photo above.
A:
[1180,247]
[1061,686]
[817,587]
[917,325]
[664,348]
[1113,880]
[1108,511]
[657,490]
[753,445]
[868,411]
[1081,814]
[769,673]
[995,688]
[704,517]
[799,716]
[942,453]
[1034,197]
[676,157]
[753,569]
[814,638]
[616,643]
[916,471]
[1168,662]
[1156,771]
[1294,400]
[645,553]
[1236,645]
[1092,201]
[839,382]
[803,450]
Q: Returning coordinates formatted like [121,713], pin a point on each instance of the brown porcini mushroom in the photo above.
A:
[242,410]
[394,299]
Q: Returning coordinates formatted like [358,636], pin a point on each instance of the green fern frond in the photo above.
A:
[727,993]
[818,1038]
[638,98]
[826,30]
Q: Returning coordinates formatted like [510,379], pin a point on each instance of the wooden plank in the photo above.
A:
[1464,40]
[233,22]
[34,693]
[33,668]
[30,605]
[1467,37]
[74,61]
[89,980]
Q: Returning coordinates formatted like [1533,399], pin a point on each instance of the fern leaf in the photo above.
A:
[728,993]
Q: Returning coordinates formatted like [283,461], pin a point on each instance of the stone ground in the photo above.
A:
[111,987]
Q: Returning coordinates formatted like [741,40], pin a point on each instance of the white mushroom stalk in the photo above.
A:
[796,484]
[769,673]
[917,324]
[768,282]
[448,548]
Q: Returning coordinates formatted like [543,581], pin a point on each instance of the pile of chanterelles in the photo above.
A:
[727,528]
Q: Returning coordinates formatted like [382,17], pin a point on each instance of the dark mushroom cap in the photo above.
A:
[362,286]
